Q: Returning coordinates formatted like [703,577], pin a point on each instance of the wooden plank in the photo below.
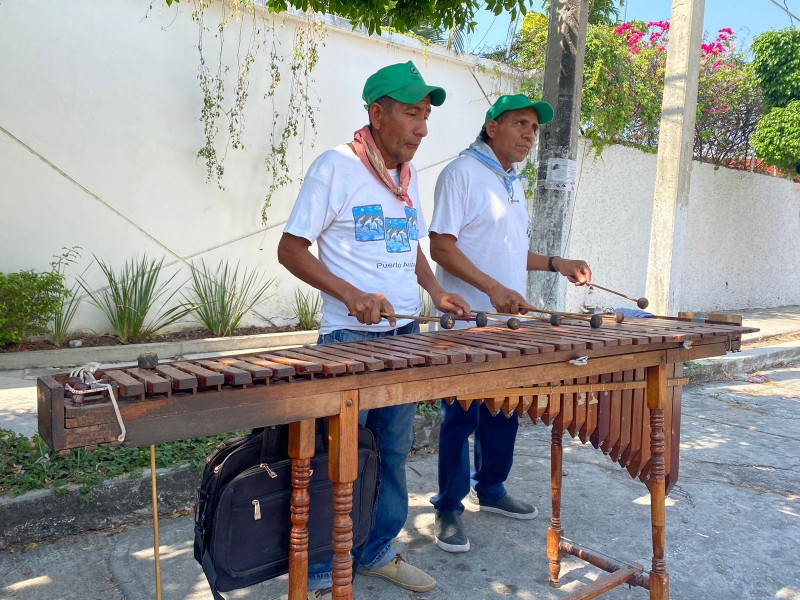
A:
[434,355]
[181,380]
[279,370]
[674,433]
[256,371]
[370,362]
[415,357]
[591,413]
[473,354]
[205,377]
[302,366]
[390,360]
[154,384]
[604,584]
[332,362]
[232,375]
[616,415]
[129,387]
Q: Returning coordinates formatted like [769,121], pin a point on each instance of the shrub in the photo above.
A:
[28,301]
[131,296]
[222,298]
[306,307]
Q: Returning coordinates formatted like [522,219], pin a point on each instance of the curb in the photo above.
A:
[73,357]
[732,366]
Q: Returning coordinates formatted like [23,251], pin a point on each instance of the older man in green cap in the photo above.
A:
[480,234]
[360,203]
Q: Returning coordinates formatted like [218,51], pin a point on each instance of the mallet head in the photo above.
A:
[513,323]
[447,321]
[596,320]
[619,317]
[642,303]
[481,319]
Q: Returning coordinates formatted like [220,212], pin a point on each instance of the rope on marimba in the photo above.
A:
[86,375]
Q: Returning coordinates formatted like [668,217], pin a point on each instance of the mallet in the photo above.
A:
[555,317]
[447,320]
[640,302]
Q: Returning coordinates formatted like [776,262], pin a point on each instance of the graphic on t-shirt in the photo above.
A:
[397,235]
[413,231]
[369,224]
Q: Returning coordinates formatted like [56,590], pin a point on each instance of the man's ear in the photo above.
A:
[491,127]
[376,113]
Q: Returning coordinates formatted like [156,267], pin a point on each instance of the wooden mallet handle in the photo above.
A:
[640,302]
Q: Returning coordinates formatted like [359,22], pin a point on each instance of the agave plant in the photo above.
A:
[224,296]
[131,295]
[306,308]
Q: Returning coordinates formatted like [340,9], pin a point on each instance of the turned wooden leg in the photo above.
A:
[656,398]
[554,532]
[301,450]
[343,470]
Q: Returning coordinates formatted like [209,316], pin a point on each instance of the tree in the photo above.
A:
[402,15]
[776,64]
[623,85]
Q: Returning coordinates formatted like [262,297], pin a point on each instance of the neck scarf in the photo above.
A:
[481,151]
[367,150]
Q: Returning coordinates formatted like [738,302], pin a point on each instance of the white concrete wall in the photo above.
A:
[743,238]
[99,130]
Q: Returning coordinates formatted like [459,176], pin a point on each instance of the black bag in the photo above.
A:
[242,517]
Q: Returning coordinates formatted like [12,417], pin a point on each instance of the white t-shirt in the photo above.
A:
[365,235]
[492,227]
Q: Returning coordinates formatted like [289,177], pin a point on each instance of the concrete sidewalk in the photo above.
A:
[733,521]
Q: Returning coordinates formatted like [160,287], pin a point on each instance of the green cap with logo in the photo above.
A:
[505,103]
[403,83]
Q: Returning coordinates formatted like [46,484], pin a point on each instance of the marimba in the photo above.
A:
[617,387]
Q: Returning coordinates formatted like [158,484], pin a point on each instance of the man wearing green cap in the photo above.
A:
[360,203]
[480,234]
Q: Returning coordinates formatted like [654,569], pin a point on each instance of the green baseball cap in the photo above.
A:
[505,103]
[403,83]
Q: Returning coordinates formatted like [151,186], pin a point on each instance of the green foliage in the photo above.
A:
[222,298]
[29,464]
[429,410]
[306,308]
[623,83]
[777,137]
[28,301]
[601,12]
[62,319]
[776,62]
[131,295]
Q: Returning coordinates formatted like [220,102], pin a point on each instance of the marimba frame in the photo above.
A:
[487,359]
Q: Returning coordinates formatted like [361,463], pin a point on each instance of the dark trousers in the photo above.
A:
[494,454]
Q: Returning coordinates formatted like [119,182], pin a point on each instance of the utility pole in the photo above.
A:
[558,145]
[674,159]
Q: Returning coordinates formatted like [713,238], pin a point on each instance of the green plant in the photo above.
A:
[29,464]
[28,301]
[776,63]
[429,410]
[223,297]
[427,303]
[777,137]
[306,308]
[62,319]
[131,295]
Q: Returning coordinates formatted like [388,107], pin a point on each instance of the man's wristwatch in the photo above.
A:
[550,263]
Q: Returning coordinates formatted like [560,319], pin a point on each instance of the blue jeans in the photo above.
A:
[394,434]
[494,454]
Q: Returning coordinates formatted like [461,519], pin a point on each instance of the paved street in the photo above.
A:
[733,521]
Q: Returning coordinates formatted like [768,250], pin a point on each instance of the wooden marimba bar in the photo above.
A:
[616,387]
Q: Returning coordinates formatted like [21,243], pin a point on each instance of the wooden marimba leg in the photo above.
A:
[301,450]
[343,470]
[656,399]
[554,532]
